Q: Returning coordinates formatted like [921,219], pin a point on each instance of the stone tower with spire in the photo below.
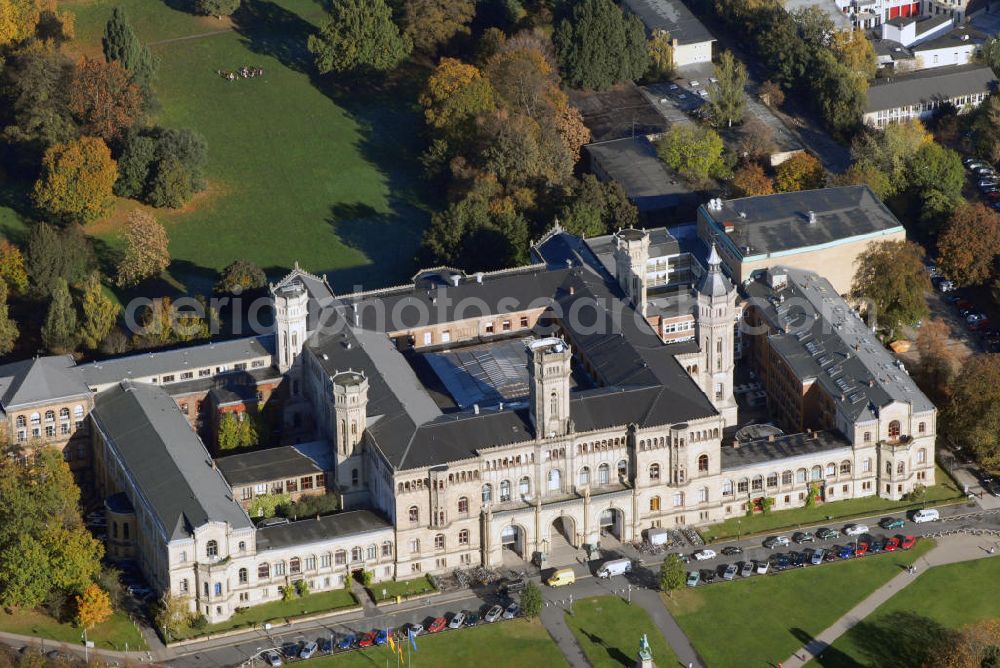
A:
[716,319]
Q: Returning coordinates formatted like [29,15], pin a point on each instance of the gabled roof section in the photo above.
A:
[41,379]
[170,466]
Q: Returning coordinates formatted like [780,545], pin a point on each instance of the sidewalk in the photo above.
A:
[650,601]
[949,550]
[554,620]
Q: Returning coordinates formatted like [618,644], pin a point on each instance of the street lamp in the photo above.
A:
[739,529]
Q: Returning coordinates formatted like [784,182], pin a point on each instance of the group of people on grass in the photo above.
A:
[244,72]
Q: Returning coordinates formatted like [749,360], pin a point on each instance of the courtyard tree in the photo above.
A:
[661,55]
[672,574]
[972,416]
[216,8]
[891,279]
[228,435]
[531,600]
[968,247]
[59,332]
[104,100]
[936,179]
[455,94]
[867,174]
[77,180]
[431,24]
[598,45]
[756,142]
[596,208]
[727,97]
[750,180]
[240,276]
[694,152]
[93,607]
[359,36]
[99,312]
[802,171]
[146,249]
[935,370]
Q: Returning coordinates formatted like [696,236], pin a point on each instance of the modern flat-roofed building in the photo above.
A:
[917,95]
[691,39]
[828,228]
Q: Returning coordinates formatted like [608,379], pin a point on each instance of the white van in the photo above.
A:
[926,515]
[614,567]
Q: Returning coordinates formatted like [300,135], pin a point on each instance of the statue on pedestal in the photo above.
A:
[645,655]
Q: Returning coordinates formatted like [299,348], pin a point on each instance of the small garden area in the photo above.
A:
[945,490]
[608,630]
[278,611]
[114,634]
[390,589]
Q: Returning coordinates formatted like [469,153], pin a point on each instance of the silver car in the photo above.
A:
[493,614]
[730,572]
[747,569]
[457,621]
[308,650]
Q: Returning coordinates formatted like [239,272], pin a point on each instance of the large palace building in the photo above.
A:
[470,419]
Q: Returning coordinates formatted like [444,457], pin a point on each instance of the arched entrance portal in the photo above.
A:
[612,523]
[512,540]
[562,544]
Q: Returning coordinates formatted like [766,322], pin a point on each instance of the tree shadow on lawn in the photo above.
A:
[613,652]
[271,30]
[899,639]
[387,239]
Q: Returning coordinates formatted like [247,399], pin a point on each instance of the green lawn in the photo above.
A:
[516,643]
[945,597]
[608,629]
[281,610]
[297,170]
[404,588]
[763,619]
[112,634]
[945,490]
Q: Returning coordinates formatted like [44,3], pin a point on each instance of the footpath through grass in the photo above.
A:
[898,632]
[298,169]
[113,634]
[256,615]
[761,620]
[945,490]
[608,630]
[514,643]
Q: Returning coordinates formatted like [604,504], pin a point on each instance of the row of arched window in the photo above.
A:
[49,417]
[598,446]
[759,482]
[296,565]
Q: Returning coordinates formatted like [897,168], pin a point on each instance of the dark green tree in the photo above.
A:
[531,600]
[727,96]
[891,278]
[359,37]
[170,185]
[121,43]
[972,417]
[672,574]
[36,85]
[990,54]
[470,235]
[596,208]
[59,333]
[99,312]
[134,166]
[599,46]
[839,94]
[240,276]
[217,8]
[8,328]
[432,23]
[936,177]
[53,254]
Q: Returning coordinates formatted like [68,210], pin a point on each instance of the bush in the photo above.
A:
[302,588]
[199,622]
[366,578]
[308,506]
[287,593]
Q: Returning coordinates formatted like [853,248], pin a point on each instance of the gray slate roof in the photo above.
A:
[647,180]
[936,84]
[672,16]
[41,379]
[306,532]
[247,468]
[953,38]
[836,349]
[783,448]
[169,464]
[777,223]
[142,365]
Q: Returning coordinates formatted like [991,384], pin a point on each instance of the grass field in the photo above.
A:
[113,634]
[944,490]
[403,588]
[298,170]
[944,597]
[281,610]
[516,643]
[608,630]
[763,619]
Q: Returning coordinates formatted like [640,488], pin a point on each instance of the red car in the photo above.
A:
[861,550]
[891,544]
[368,639]
[908,542]
[437,625]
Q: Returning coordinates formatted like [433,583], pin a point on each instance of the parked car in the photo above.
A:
[693,578]
[512,611]
[732,550]
[511,585]
[799,558]
[888,523]
[308,650]
[763,566]
[614,567]
[926,515]
[438,624]
[944,285]
[493,614]
[325,645]
[730,572]
[908,542]
[457,621]
[781,561]
[891,544]
[747,569]
[415,629]
[367,639]
[855,529]
[347,642]
[803,537]
[826,534]
[472,619]
[772,542]
[273,658]
[845,552]
[993,488]
[817,556]
[874,544]
[702,555]
[861,550]
[708,575]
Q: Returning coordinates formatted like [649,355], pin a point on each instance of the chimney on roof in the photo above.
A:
[479,277]
[475,409]
[572,290]
[501,405]
[812,217]
[736,444]
[455,279]
[770,438]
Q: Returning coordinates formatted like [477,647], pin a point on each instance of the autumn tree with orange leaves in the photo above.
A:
[103,98]
[76,181]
